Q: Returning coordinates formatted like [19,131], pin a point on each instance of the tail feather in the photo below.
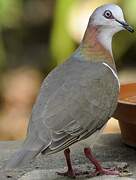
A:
[21,158]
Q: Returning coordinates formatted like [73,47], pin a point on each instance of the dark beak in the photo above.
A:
[126,26]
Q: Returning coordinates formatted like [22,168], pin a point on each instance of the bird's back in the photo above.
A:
[76,99]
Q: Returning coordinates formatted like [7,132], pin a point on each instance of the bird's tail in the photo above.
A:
[20,158]
[32,146]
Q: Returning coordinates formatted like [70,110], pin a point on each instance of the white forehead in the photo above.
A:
[115,9]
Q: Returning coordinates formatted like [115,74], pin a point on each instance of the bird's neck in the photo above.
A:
[96,45]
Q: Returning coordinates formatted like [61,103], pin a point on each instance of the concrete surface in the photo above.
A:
[109,149]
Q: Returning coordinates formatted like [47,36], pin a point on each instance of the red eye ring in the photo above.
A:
[108,14]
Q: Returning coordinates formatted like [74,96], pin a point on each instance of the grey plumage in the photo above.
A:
[76,99]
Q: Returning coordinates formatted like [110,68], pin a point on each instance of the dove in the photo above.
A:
[78,97]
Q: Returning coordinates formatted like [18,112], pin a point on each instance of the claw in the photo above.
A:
[68,174]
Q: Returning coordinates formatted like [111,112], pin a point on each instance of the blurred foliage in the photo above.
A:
[36,33]
[125,43]
[2,54]
[130,10]
[61,43]
[10,12]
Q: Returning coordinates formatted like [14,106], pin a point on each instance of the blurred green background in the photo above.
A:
[35,36]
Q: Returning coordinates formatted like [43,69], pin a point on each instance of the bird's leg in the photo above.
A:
[99,169]
[70,172]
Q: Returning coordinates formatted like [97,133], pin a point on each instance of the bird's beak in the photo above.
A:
[126,26]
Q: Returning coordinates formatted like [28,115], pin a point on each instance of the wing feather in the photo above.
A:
[80,101]
[79,107]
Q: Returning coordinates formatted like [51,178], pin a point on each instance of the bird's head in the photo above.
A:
[110,16]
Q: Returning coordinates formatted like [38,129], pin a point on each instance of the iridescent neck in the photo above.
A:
[96,45]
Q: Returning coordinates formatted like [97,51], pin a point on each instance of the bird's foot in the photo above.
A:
[70,174]
[99,169]
[73,173]
[106,171]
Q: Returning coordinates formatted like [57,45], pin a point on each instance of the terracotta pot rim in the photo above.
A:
[125,102]
[127,83]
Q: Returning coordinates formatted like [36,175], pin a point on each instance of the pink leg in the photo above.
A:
[99,169]
[70,172]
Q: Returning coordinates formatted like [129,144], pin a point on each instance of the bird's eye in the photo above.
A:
[108,14]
